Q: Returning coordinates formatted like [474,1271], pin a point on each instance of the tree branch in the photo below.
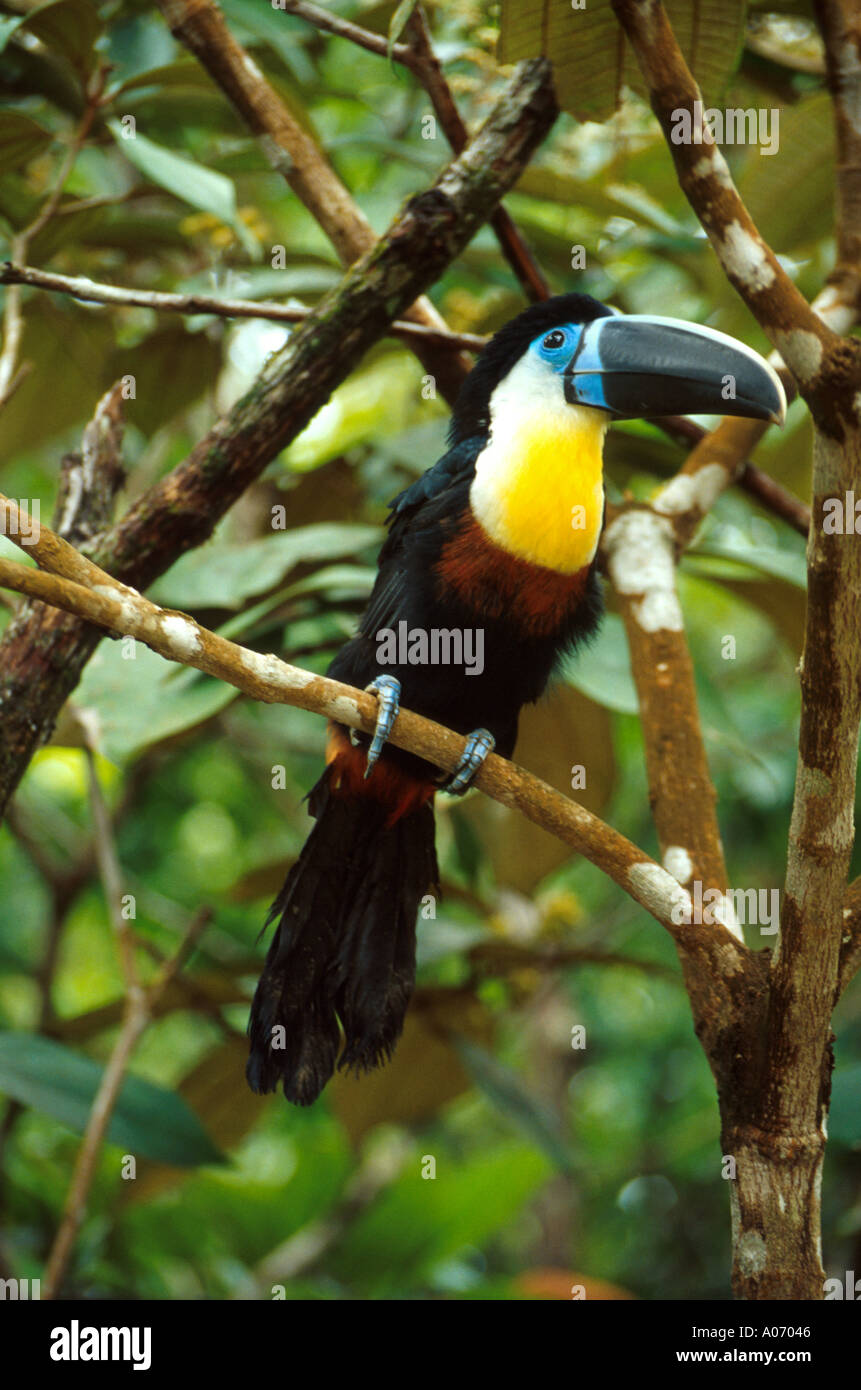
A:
[140,1002]
[122,296]
[639,549]
[799,335]
[200,26]
[425,65]
[176,636]
[840,25]
[773,1107]
[419,58]
[345,29]
[43,653]
[140,1006]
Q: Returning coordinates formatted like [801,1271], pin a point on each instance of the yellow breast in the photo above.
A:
[538,490]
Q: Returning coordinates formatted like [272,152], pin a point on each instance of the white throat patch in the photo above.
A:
[538,489]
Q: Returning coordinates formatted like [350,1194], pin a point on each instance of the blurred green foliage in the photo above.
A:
[599,1163]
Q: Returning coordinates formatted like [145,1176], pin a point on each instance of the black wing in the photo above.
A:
[455,466]
[424,500]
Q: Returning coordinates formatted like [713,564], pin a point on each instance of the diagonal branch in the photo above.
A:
[798,334]
[425,65]
[200,26]
[42,652]
[419,57]
[140,1007]
[140,1004]
[345,29]
[774,1068]
[727,444]
[95,596]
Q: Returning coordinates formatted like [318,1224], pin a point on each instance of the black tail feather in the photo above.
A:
[344,947]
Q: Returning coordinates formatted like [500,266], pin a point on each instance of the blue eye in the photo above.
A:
[554,340]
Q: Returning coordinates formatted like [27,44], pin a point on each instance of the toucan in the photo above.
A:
[498,540]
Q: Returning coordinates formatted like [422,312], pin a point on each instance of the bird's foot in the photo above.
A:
[388,692]
[478,745]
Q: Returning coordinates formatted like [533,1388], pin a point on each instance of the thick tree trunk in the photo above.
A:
[774,1082]
[775,1202]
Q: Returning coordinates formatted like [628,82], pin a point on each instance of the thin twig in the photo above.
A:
[425,66]
[44,651]
[765,489]
[345,29]
[421,60]
[137,1013]
[108,861]
[135,1021]
[121,296]
[293,152]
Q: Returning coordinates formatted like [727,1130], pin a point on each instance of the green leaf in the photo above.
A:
[603,669]
[144,700]
[790,194]
[224,575]
[416,1224]
[844,1121]
[509,1094]
[69,348]
[560,731]
[592,61]
[377,400]
[789,565]
[276,29]
[148,1121]
[185,72]
[20,140]
[71,27]
[777,600]
[345,581]
[172,368]
[186,180]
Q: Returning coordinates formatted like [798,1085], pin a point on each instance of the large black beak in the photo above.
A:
[637,367]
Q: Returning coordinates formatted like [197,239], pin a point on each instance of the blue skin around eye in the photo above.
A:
[558,357]
[590,385]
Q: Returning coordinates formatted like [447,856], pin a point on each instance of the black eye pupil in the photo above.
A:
[554,339]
